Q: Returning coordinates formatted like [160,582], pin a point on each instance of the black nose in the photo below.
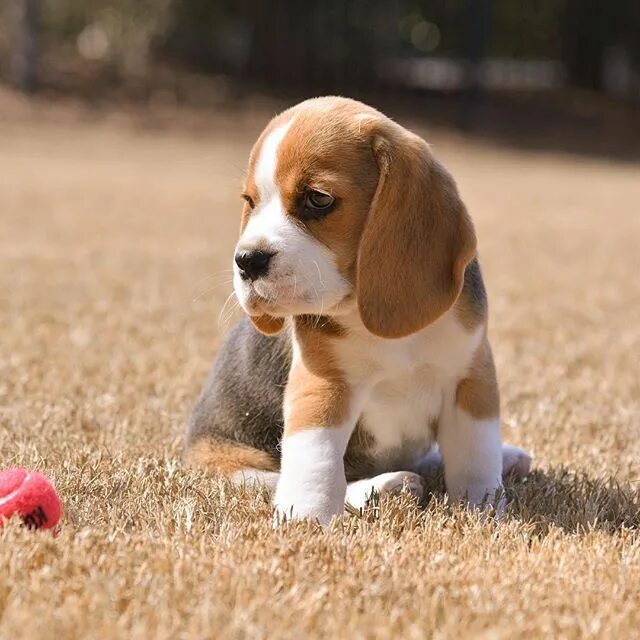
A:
[253,264]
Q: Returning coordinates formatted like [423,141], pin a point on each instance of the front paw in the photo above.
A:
[491,502]
[488,497]
[321,508]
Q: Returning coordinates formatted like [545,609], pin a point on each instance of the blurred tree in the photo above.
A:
[26,45]
[592,27]
[587,27]
[317,42]
[329,45]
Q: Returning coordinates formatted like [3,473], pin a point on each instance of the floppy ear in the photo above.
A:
[417,240]
[268,325]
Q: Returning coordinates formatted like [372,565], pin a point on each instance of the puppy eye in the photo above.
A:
[317,203]
[249,200]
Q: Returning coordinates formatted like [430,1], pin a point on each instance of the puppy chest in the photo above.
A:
[400,415]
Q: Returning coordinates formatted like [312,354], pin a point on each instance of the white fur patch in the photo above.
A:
[256,478]
[472,455]
[267,163]
[303,276]
[312,481]
[408,382]
[384,484]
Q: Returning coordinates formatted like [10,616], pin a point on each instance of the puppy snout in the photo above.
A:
[253,264]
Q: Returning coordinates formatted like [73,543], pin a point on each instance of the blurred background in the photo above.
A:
[544,73]
[125,128]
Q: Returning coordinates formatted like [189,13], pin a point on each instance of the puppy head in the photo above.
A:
[341,204]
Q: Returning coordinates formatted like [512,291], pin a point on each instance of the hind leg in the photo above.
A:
[240,463]
[360,491]
[256,478]
[516,462]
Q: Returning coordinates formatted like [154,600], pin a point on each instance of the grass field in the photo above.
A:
[115,245]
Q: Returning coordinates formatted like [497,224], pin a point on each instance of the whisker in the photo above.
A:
[210,289]
[319,273]
[229,315]
[229,297]
[206,278]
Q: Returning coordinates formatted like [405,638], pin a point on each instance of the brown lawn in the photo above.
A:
[115,246]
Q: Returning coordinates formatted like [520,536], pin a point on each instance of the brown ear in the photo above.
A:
[267,324]
[417,240]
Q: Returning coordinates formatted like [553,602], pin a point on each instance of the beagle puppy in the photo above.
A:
[363,360]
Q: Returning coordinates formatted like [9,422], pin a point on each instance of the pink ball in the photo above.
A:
[30,495]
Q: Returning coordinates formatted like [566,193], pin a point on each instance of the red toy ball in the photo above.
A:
[30,495]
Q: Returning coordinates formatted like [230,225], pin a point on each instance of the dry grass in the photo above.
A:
[114,242]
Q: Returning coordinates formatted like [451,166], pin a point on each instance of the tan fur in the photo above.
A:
[418,238]
[467,314]
[478,394]
[317,394]
[267,324]
[228,458]
[471,305]
[337,162]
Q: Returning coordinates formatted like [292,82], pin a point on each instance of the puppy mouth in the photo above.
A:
[286,304]
[289,294]
[272,297]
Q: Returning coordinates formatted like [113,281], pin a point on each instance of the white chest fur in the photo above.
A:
[405,382]
[399,414]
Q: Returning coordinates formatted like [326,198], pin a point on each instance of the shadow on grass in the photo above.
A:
[574,502]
